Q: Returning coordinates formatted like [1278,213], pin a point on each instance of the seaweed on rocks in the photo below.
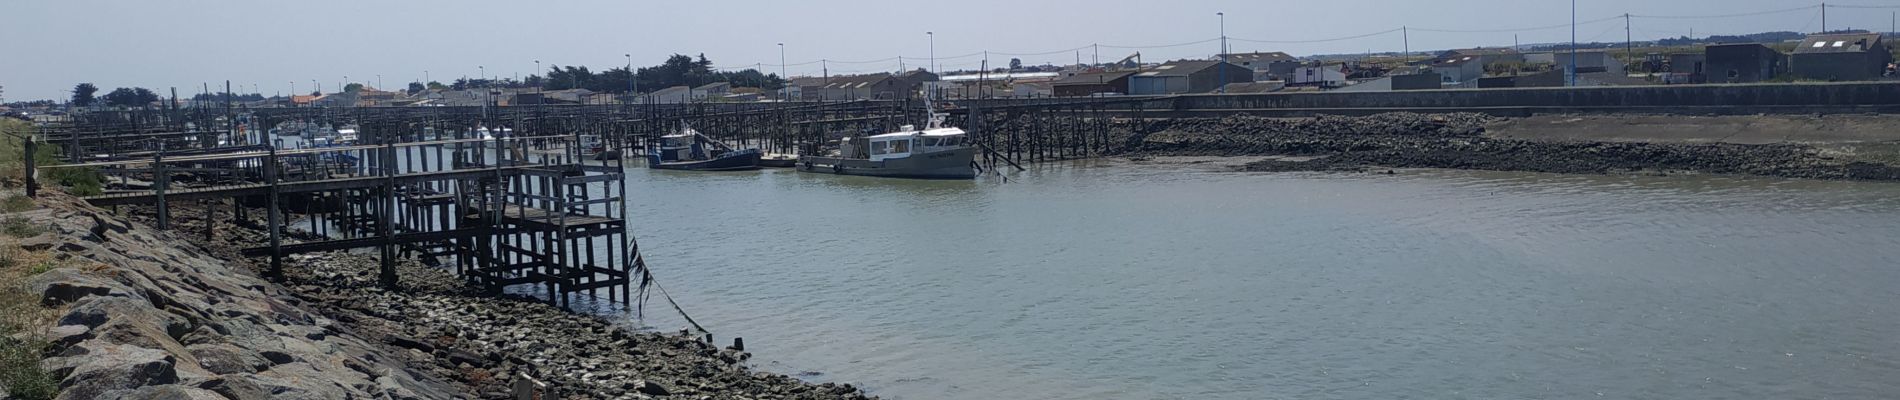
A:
[1458,141]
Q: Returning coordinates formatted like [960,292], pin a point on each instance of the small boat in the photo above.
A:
[934,152]
[591,145]
[779,161]
[691,151]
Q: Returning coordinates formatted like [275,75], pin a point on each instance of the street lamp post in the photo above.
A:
[1223,52]
[632,78]
[537,69]
[933,60]
[782,94]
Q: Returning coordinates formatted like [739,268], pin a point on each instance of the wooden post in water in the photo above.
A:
[159,181]
[276,217]
[32,182]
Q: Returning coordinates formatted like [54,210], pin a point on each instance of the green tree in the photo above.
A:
[416,87]
[1015,64]
[130,97]
[82,94]
[353,88]
[437,85]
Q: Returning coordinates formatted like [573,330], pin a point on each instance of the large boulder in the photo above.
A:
[66,285]
[227,359]
[94,368]
[162,392]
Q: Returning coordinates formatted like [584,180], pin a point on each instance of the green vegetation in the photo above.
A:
[78,181]
[23,324]
[678,70]
[15,203]
[82,94]
[20,227]
[130,97]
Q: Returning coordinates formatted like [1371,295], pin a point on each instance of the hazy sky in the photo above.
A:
[46,46]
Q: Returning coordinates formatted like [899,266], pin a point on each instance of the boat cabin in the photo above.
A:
[904,144]
[681,147]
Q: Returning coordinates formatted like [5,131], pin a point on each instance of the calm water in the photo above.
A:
[1111,281]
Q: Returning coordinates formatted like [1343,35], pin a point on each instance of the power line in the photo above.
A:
[1536,28]
[1748,14]
[1360,36]
[1162,46]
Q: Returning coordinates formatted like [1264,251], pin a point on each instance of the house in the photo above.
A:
[1484,56]
[1595,60]
[1684,68]
[1324,76]
[1092,83]
[802,88]
[1031,89]
[874,86]
[1388,83]
[1267,66]
[1458,71]
[711,90]
[304,101]
[673,95]
[1743,63]
[1841,57]
[564,96]
[1187,76]
[858,87]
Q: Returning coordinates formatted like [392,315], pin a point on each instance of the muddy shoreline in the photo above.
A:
[1460,141]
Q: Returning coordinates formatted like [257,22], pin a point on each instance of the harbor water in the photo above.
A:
[1119,280]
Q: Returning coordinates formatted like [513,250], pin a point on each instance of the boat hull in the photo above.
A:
[949,164]
[779,161]
[741,161]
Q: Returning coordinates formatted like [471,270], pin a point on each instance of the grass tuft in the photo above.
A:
[20,227]
[23,324]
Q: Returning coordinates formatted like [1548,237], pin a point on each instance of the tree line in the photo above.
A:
[677,70]
[83,96]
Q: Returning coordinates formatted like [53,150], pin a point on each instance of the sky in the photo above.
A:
[46,47]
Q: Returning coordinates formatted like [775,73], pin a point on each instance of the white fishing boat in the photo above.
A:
[933,152]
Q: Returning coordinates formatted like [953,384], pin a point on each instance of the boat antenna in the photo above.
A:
[932,120]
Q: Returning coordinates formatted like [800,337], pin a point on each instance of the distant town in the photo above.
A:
[1835,56]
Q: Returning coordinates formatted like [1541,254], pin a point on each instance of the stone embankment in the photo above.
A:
[1460,141]
[168,315]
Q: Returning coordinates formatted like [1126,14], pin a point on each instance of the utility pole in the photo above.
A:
[1823,17]
[1223,53]
[1570,71]
[1096,58]
[1406,32]
[1629,41]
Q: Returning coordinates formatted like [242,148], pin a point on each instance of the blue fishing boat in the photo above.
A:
[691,151]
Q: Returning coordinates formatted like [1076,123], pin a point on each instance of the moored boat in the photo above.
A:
[691,151]
[779,160]
[935,152]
